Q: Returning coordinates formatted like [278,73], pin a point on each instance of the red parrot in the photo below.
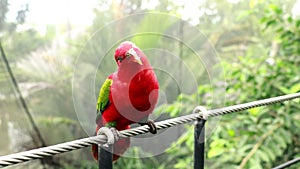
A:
[127,96]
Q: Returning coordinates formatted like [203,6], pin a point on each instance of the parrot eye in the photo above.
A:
[128,54]
[119,59]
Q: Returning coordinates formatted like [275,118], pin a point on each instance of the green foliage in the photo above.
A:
[153,37]
[286,29]
[19,44]
[51,121]
[258,42]
[260,137]
[137,162]
[4,10]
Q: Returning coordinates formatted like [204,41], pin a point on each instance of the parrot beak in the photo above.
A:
[136,58]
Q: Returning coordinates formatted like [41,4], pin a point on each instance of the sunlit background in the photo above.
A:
[255,42]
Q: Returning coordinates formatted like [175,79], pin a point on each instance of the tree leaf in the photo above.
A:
[283,89]
[263,155]
[295,88]
[280,141]
[216,151]
[254,111]
[269,152]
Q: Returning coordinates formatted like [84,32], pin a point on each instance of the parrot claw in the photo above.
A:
[151,125]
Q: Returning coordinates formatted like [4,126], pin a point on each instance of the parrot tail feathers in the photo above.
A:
[95,151]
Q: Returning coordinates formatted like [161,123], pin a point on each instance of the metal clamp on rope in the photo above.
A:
[202,111]
[112,134]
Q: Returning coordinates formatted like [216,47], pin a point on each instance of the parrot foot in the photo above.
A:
[151,125]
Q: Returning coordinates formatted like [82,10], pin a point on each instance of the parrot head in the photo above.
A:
[127,52]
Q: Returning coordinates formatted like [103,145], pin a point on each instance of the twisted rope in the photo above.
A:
[287,164]
[102,139]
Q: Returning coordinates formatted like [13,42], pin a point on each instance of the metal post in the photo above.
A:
[105,156]
[199,138]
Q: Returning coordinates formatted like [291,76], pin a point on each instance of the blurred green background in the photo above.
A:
[257,44]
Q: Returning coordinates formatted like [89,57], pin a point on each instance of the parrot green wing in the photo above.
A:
[103,98]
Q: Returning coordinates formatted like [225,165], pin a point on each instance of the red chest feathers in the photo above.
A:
[143,90]
[136,96]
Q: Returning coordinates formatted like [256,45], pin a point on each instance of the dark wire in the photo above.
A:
[22,100]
